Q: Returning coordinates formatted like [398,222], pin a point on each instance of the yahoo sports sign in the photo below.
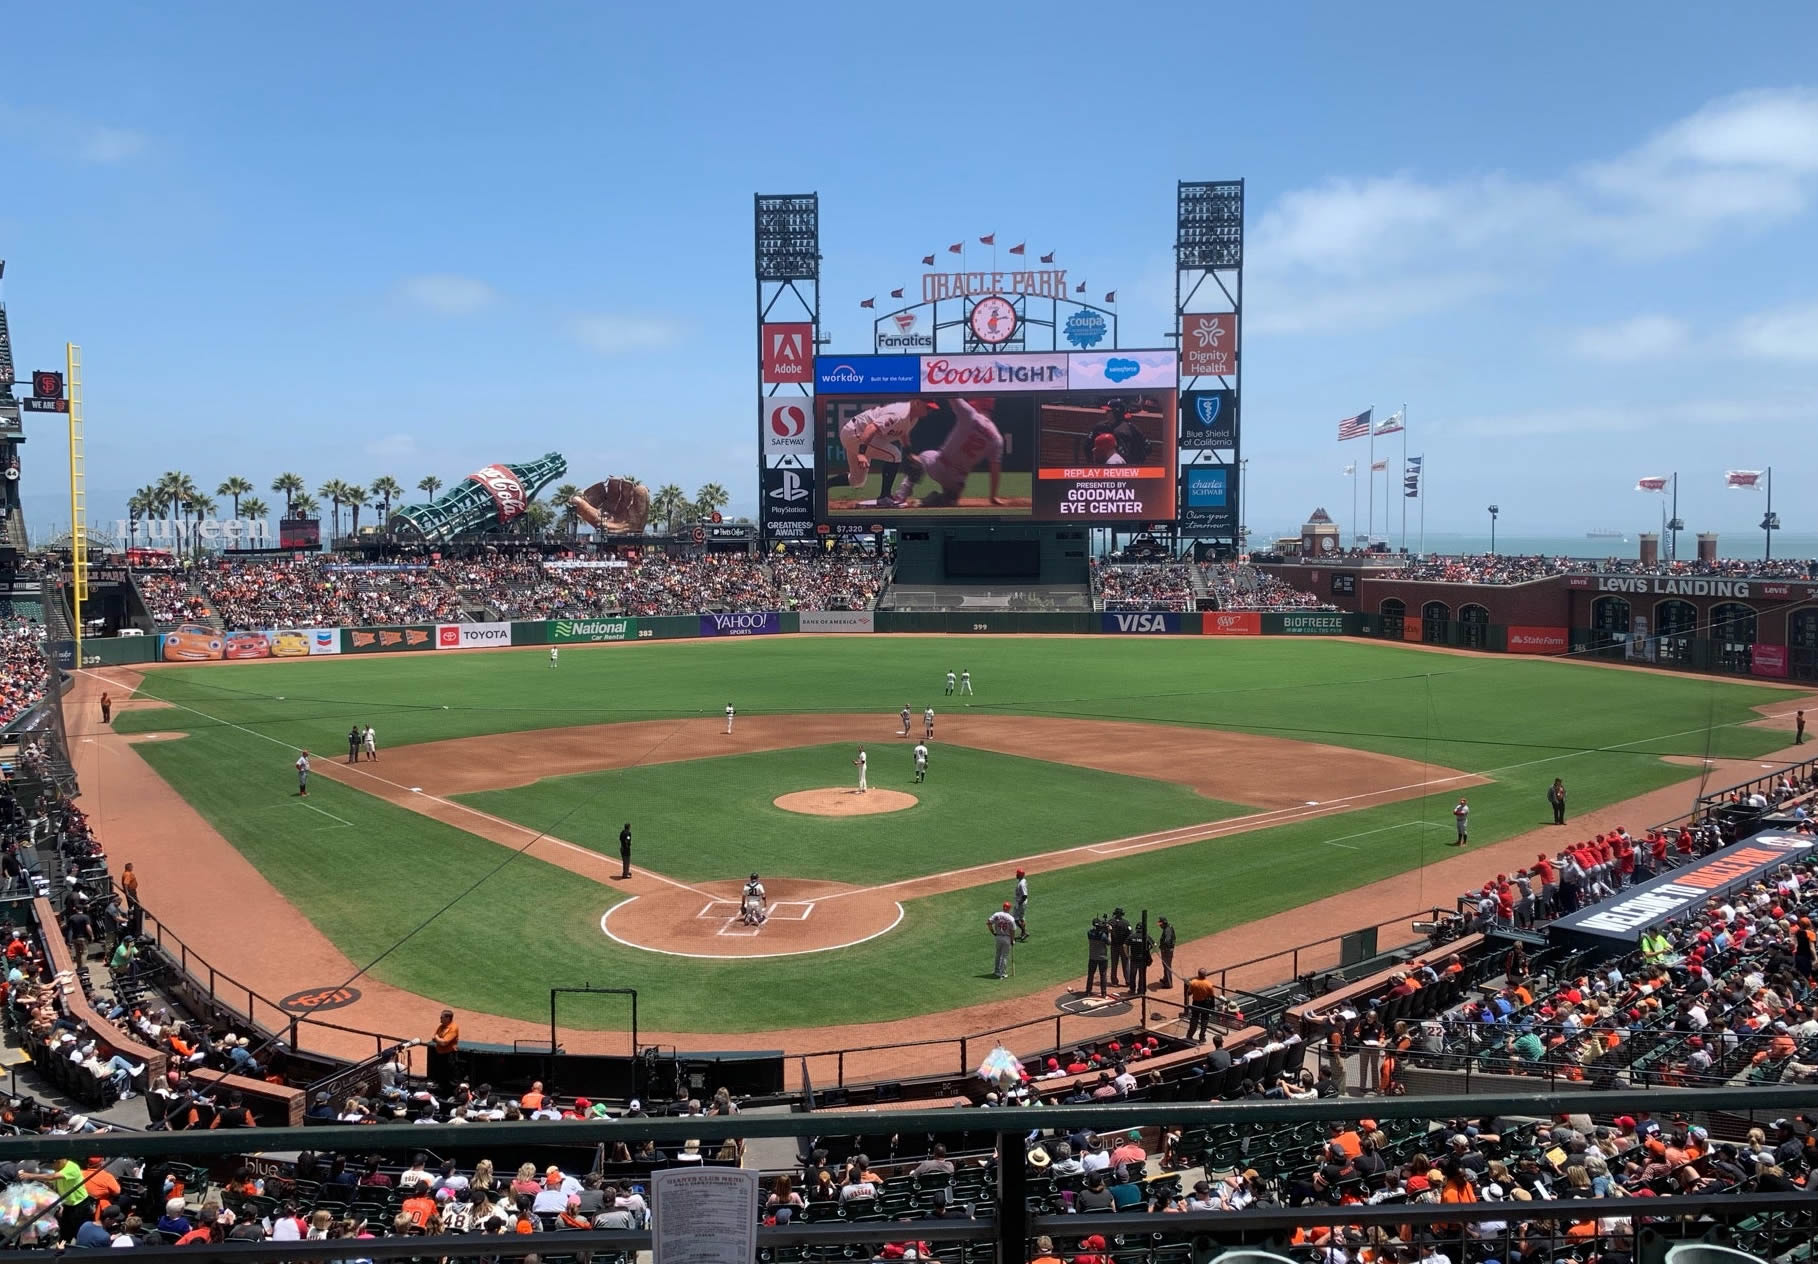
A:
[766,624]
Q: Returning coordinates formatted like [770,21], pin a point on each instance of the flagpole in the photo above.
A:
[1767,522]
[1404,477]
[1354,504]
[1370,535]
[1425,479]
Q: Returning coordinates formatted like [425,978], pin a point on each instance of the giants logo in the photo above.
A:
[506,490]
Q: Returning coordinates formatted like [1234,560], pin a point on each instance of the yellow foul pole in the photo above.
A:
[78,508]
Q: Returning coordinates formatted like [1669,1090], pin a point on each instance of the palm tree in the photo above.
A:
[710,499]
[667,505]
[235,487]
[356,496]
[289,486]
[305,506]
[255,511]
[536,519]
[334,491]
[430,485]
[386,489]
[175,489]
[203,507]
[562,501]
[141,504]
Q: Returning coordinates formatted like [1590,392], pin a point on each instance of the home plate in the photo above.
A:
[416,789]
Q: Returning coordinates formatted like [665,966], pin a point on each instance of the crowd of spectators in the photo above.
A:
[1518,569]
[1233,586]
[1160,586]
[169,600]
[23,668]
[279,594]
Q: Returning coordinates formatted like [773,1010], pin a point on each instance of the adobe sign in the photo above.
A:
[787,352]
[1208,344]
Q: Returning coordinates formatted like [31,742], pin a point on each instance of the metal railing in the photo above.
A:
[1008,1214]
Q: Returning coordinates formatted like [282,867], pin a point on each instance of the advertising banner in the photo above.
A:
[858,375]
[1208,419]
[1768,660]
[1125,370]
[239,645]
[592,631]
[416,636]
[900,333]
[1231,623]
[766,624]
[1208,344]
[993,374]
[1147,622]
[788,422]
[1526,640]
[320,641]
[1660,900]
[589,564]
[1317,623]
[1209,503]
[472,636]
[191,643]
[788,506]
[300,533]
[787,353]
[838,621]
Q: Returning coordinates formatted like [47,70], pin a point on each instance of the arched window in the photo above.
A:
[1394,612]
[1802,644]
[1675,623]
[1436,623]
[1474,627]
[1732,635]
[1610,626]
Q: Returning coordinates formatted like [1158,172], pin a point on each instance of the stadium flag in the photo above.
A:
[957,247]
[1746,480]
[1017,249]
[1110,296]
[896,293]
[1355,427]
[1391,424]
[1080,288]
[1377,467]
[928,260]
[989,239]
[1048,258]
[1351,470]
[1651,483]
[868,302]
[1410,479]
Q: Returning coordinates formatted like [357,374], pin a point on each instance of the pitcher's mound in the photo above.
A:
[845,802]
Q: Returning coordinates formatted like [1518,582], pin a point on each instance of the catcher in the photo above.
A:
[617,506]
[754,905]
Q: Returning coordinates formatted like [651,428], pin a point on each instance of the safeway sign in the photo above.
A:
[788,424]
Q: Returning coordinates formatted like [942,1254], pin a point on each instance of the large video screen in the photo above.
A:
[1095,456]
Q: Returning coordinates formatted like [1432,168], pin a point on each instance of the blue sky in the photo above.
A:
[1580,242]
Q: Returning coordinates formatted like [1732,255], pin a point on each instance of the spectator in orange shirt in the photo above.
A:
[419,1206]
[447,1037]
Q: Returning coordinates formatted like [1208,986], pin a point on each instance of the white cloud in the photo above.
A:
[1791,333]
[611,334]
[52,131]
[1741,163]
[1631,341]
[445,294]
[392,447]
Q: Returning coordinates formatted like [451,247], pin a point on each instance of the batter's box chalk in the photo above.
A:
[792,910]
[735,928]
[714,906]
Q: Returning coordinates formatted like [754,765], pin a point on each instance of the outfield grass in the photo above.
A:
[703,819]
[1521,722]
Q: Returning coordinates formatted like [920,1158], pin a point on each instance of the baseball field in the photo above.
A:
[475,863]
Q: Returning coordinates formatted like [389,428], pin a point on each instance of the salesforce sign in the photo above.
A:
[766,624]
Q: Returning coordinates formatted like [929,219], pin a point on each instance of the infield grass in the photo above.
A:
[532,925]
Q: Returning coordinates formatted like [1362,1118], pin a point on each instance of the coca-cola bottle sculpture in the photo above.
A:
[486,500]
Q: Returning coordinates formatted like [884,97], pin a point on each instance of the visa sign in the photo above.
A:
[1151,622]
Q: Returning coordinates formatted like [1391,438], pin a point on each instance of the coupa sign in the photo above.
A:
[1151,622]
[764,624]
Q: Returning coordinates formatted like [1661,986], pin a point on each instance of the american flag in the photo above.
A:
[1651,483]
[1748,480]
[1355,427]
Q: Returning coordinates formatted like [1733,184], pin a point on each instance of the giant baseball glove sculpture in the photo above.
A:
[617,506]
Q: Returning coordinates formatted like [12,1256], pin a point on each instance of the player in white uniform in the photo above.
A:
[927,723]
[554,654]
[881,434]
[921,762]
[729,714]
[974,438]
[754,905]
[860,763]
[965,681]
[949,682]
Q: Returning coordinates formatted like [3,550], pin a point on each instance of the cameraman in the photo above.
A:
[1098,956]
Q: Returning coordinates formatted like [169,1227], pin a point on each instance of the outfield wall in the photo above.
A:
[1696,653]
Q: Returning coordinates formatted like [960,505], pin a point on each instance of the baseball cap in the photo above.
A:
[1006,906]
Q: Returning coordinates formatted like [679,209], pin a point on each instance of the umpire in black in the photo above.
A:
[1120,950]
[625,851]
[1098,956]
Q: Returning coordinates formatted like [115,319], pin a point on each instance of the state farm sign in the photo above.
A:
[1208,344]
[506,491]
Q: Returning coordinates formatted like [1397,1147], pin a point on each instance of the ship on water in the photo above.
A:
[1606,533]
